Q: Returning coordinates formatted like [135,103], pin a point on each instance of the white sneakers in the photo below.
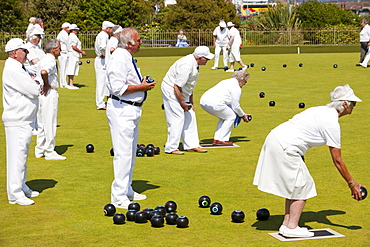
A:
[136,197]
[230,70]
[298,232]
[127,200]
[54,156]
[32,194]
[122,204]
[214,68]
[24,201]
[72,87]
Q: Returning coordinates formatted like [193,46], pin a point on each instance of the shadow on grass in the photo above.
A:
[274,222]
[62,148]
[41,184]
[232,139]
[79,85]
[142,185]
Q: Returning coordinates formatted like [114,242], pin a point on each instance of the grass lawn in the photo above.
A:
[69,210]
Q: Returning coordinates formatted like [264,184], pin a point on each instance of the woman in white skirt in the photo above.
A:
[281,169]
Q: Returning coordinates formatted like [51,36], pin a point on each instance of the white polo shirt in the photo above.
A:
[20,95]
[121,73]
[222,36]
[74,41]
[226,92]
[365,34]
[237,39]
[49,64]
[184,73]
[63,40]
[101,41]
[313,127]
[112,43]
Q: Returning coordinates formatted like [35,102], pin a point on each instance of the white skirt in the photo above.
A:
[283,174]
[72,67]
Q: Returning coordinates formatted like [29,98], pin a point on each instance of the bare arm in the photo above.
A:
[180,98]
[78,50]
[46,86]
[338,162]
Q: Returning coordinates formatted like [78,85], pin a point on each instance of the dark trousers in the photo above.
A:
[363,51]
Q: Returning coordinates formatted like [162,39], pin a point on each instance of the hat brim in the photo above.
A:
[210,56]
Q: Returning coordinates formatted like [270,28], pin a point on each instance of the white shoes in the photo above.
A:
[54,156]
[245,67]
[122,204]
[230,70]
[32,194]
[24,201]
[297,232]
[214,68]
[38,155]
[72,87]
[136,197]
[282,229]
[363,65]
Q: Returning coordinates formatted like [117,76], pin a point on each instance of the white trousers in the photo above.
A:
[47,116]
[101,89]
[226,116]
[181,125]
[17,146]
[123,121]
[225,55]
[62,62]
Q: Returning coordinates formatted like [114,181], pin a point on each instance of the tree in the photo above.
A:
[314,14]
[190,14]
[11,16]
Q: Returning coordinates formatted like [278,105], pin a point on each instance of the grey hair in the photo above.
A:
[365,21]
[338,105]
[50,44]
[115,28]
[38,20]
[126,36]
[241,75]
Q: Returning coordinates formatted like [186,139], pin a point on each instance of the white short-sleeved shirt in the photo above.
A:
[222,36]
[313,127]
[121,73]
[226,92]
[101,41]
[63,40]
[365,34]
[20,95]
[184,73]
[49,64]
[73,40]
[112,43]
[34,51]
[237,39]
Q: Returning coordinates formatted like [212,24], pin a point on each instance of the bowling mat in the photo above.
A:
[215,146]
[319,234]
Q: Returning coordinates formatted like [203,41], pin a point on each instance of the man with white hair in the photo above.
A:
[62,59]
[177,92]
[112,43]
[101,41]
[234,44]
[35,52]
[220,39]
[281,169]
[128,91]
[222,101]
[48,105]
[20,103]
